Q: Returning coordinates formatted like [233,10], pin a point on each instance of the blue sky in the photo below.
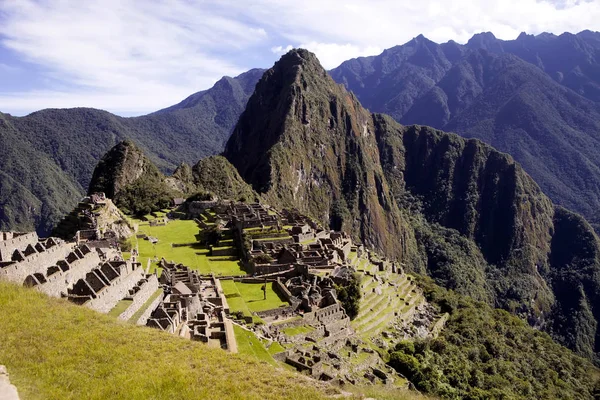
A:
[132,57]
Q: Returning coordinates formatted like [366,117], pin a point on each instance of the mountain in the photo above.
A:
[135,184]
[480,352]
[572,60]
[434,201]
[49,155]
[305,142]
[535,98]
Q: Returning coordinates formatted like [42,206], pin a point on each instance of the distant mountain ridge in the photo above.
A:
[49,155]
[455,209]
[535,98]
[546,116]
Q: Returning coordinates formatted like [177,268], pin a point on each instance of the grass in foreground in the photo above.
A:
[56,350]
[250,345]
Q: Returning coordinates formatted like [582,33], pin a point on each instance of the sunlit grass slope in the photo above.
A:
[182,234]
[56,350]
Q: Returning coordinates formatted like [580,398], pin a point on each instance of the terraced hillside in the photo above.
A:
[389,302]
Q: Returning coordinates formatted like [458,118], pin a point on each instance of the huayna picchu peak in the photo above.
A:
[305,142]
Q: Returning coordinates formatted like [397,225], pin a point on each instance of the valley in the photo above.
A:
[327,245]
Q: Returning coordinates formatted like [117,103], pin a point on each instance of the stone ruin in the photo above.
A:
[96,277]
[326,251]
[336,364]
[80,224]
[302,260]
[193,307]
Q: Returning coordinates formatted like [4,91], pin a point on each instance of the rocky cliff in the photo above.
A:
[457,209]
[128,177]
[305,142]
[536,98]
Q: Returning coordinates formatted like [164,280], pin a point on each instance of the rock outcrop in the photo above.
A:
[134,183]
[305,142]
[7,391]
[421,196]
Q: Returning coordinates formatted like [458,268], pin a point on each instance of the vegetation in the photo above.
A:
[481,225]
[517,107]
[144,196]
[136,186]
[297,330]
[120,308]
[349,295]
[177,242]
[48,157]
[138,314]
[56,350]
[250,345]
[485,353]
[247,297]
[216,175]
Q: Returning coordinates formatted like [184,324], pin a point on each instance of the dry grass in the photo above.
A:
[56,350]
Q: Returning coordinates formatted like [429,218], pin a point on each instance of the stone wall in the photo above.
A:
[109,296]
[282,290]
[7,390]
[301,237]
[59,282]
[229,334]
[276,311]
[10,241]
[229,251]
[35,263]
[325,314]
[143,319]
[147,289]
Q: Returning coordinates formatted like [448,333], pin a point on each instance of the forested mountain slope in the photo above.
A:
[455,209]
[49,155]
[535,98]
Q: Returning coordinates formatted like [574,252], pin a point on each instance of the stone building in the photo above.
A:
[194,307]
[95,277]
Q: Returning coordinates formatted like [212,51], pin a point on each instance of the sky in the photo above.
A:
[132,57]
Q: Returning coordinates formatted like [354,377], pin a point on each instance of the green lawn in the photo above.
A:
[249,344]
[297,330]
[275,348]
[56,350]
[253,295]
[120,307]
[193,255]
[234,298]
[248,297]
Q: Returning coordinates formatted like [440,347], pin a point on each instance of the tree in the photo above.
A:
[349,296]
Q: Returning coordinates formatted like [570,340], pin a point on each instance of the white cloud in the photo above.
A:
[140,55]
[386,23]
[280,50]
[169,48]
[332,54]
